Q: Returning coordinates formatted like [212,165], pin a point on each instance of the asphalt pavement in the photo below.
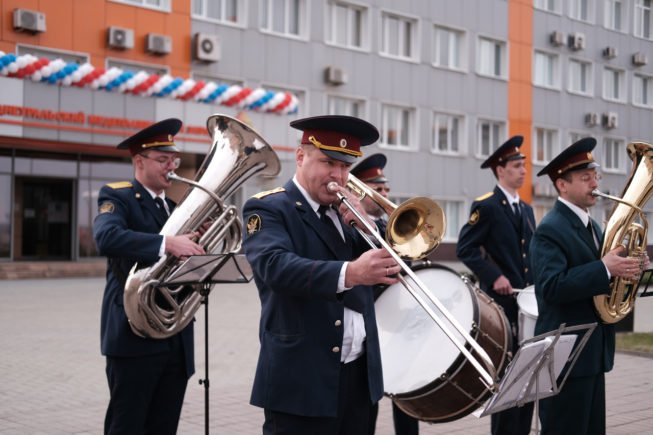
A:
[52,374]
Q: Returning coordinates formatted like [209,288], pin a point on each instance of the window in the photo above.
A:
[448,48]
[544,145]
[548,5]
[642,90]
[454,211]
[492,58]
[223,11]
[582,10]
[575,136]
[447,133]
[614,83]
[643,18]
[614,155]
[284,17]
[615,15]
[127,65]
[539,211]
[580,77]
[163,5]
[545,70]
[397,125]
[399,36]
[348,25]
[51,54]
[490,135]
[345,106]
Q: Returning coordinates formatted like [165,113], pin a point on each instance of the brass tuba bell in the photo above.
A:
[622,229]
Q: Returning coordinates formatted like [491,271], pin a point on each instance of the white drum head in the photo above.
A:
[414,350]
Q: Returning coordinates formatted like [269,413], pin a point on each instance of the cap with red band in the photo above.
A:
[158,136]
[575,157]
[370,170]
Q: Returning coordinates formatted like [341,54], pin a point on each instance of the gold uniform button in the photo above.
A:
[526,269]
[523,241]
[335,349]
[523,255]
[338,323]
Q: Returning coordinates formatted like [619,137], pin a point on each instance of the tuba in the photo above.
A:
[156,310]
[623,230]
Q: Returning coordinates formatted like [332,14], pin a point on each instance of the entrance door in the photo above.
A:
[46,218]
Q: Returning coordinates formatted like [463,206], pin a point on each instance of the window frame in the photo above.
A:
[331,24]
[622,87]
[303,15]
[615,140]
[363,101]
[141,4]
[591,11]
[557,9]
[556,85]
[444,202]
[607,14]
[415,35]
[241,17]
[501,137]
[462,47]
[462,134]
[638,7]
[504,57]
[555,145]
[649,78]
[590,79]
[411,129]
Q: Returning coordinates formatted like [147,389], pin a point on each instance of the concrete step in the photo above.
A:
[52,269]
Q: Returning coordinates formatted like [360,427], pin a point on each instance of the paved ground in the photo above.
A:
[52,375]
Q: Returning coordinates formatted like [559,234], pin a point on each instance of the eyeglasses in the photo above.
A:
[165,161]
[586,178]
[382,189]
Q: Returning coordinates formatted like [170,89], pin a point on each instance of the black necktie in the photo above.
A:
[515,206]
[322,210]
[590,229]
[162,207]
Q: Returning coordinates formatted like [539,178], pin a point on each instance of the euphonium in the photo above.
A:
[623,230]
[237,153]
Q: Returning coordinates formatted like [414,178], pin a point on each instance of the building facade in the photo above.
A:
[445,82]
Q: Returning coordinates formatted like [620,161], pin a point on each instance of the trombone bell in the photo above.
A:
[416,228]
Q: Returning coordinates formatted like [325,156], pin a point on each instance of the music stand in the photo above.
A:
[644,284]
[205,271]
[533,373]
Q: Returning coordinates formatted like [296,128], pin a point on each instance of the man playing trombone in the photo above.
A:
[319,367]
[494,245]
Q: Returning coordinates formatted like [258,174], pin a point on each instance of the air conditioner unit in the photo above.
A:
[610,120]
[335,76]
[640,59]
[120,38]
[576,41]
[610,52]
[158,44]
[29,21]
[592,119]
[206,47]
[557,38]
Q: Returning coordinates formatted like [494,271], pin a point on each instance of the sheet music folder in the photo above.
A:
[534,372]
[212,269]
[643,287]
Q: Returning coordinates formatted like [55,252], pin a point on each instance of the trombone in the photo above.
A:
[415,228]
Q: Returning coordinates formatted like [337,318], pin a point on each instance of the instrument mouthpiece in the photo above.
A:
[596,192]
[332,186]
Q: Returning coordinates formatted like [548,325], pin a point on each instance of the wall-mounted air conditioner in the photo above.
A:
[120,38]
[335,76]
[576,41]
[158,44]
[206,47]
[29,21]
[610,120]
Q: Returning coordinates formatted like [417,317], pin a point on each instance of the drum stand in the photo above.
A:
[205,271]
[532,375]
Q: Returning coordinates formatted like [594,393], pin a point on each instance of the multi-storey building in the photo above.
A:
[445,82]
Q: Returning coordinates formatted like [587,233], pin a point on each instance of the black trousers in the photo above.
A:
[579,408]
[513,421]
[404,424]
[147,393]
[354,406]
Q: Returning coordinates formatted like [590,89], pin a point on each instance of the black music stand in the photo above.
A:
[534,371]
[205,271]
[644,285]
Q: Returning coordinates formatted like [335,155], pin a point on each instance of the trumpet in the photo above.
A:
[415,228]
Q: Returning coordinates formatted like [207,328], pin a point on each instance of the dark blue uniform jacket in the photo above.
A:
[296,265]
[126,231]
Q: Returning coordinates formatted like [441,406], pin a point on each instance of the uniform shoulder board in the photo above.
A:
[268,192]
[484,197]
[120,185]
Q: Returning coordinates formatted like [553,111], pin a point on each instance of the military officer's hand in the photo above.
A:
[623,267]
[375,266]
[183,245]
[502,286]
[347,215]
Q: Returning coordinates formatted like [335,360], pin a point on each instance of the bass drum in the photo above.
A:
[424,373]
[528,313]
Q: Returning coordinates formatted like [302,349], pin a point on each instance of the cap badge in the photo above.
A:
[169,138]
[343,143]
[589,156]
